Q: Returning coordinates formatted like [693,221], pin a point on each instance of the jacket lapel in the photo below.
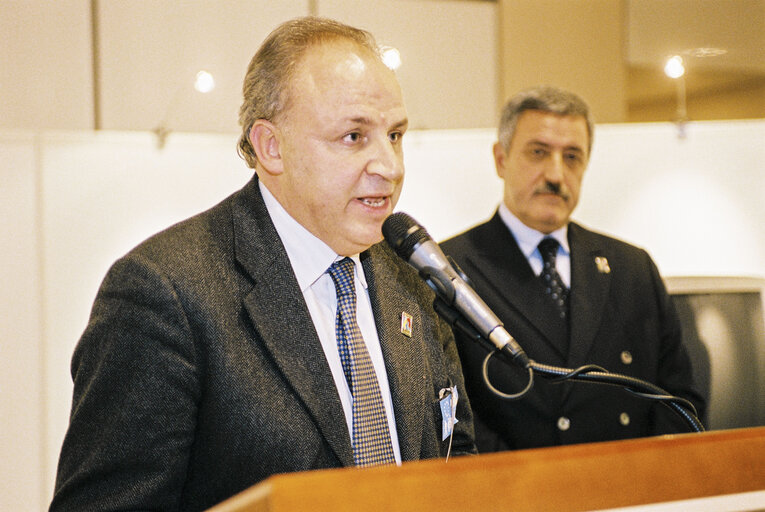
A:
[505,268]
[403,355]
[276,306]
[591,281]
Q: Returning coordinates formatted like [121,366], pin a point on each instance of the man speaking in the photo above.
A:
[271,333]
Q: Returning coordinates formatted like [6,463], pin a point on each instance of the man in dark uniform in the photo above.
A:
[569,296]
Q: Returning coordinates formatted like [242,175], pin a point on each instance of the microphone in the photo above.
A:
[415,246]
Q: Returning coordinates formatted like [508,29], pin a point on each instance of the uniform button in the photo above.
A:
[626,357]
[624,419]
[564,423]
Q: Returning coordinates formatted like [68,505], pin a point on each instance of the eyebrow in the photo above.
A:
[359,120]
[366,121]
[546,145]
[404,123]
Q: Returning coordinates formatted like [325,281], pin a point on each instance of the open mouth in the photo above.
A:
[374,202]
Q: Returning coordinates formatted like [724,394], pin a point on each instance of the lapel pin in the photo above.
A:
[406,324]
[602,264]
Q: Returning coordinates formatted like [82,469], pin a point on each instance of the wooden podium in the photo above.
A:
[579,477]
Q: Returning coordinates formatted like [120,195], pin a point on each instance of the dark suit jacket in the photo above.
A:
[200,372]
[621,318]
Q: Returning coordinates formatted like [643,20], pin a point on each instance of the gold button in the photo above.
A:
[624,419]
[626,357]
[564,423]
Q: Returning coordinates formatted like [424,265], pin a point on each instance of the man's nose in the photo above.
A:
[386,161]
[555,168]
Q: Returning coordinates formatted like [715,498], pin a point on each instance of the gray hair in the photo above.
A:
[545,99]
[267,81]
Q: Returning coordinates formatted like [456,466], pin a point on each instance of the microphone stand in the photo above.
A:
[588,373]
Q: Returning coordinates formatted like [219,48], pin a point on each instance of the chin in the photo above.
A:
[358,244]
[370,238]
[369,242]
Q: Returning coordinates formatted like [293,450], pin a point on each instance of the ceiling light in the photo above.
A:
[674,68]
[204,82]
[390,57]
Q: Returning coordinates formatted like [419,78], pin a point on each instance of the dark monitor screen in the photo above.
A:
[723,330]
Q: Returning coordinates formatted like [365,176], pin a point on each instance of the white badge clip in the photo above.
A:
[448,398]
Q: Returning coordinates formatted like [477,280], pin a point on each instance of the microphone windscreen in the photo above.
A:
[403,233]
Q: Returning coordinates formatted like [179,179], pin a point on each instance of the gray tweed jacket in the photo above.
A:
[200,372]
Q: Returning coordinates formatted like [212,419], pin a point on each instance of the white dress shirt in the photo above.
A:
[310,258]
[528,239]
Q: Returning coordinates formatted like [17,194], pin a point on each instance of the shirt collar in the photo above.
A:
[309,256]
[527,238]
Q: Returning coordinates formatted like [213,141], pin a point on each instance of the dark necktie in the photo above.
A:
[371,436]
[554,286]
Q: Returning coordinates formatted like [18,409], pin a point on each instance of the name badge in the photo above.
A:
[448,402]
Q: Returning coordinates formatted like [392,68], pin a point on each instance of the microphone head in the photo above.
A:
[403,234]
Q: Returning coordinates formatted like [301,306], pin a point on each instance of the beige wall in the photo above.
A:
[612,52]
[743,100]
[462,58]
[449,74]
[150,50]
[574,44]
[46,79]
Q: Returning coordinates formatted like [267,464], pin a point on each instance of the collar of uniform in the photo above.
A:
[527,238]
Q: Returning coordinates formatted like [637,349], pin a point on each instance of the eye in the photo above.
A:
[395,136]
[573,158]
[538,152]
[352,137]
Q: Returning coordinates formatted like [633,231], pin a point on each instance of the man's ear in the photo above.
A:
[265,141]
[499,159]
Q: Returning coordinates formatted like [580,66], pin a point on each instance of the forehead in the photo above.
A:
[553,129]
[338,77]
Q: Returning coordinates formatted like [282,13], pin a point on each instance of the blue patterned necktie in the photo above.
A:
[554,286]
[371,436]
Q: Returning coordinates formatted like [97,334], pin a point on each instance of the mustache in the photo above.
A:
[553,188]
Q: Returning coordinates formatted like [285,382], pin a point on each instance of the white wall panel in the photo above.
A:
[696,203]
[22,435]
[103,193]
[450,181]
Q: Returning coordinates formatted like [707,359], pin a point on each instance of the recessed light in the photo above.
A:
[204,82]
[391,57]
[674,68]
